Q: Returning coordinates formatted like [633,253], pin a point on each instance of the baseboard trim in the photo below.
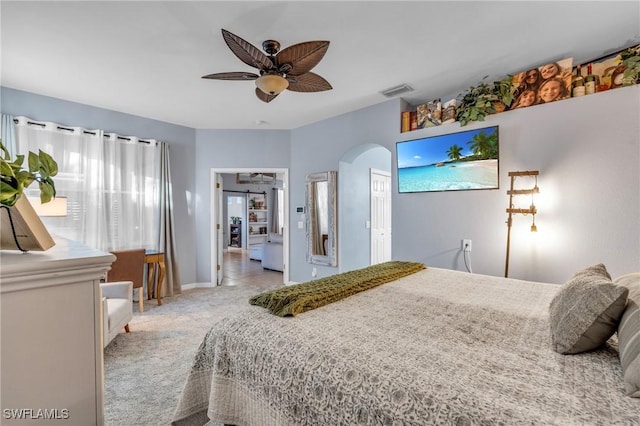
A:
[197,285]
[211,285]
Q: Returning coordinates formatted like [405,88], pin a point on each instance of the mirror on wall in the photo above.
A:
[322,231]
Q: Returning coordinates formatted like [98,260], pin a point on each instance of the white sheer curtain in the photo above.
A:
[110,181]
[8,134]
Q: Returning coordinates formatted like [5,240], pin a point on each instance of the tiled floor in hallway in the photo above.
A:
[239,270]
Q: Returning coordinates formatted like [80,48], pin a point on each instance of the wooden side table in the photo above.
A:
[153,258]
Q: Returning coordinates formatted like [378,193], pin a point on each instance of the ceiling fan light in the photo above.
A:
[272,84]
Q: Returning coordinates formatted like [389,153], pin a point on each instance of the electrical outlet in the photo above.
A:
[314,272]
[466,245]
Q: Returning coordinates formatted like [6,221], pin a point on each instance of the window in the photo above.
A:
[111,184]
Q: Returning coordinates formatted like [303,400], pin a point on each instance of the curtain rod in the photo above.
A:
[86,132]
[245,192]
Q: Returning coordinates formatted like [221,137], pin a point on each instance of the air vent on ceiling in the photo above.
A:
[394,91]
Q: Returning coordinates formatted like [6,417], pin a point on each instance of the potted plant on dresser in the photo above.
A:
[21,226]
[14,179]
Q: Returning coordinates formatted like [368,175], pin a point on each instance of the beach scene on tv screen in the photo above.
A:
[458,161]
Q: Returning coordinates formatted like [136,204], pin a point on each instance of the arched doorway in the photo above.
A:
[354,204]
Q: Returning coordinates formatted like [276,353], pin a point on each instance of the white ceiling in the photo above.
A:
[147,58]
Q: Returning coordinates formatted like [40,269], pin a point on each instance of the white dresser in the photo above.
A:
[51,363]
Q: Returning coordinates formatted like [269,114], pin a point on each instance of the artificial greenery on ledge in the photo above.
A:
[486,98]
[631,60]
[14,179]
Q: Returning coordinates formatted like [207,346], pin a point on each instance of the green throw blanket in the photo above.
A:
[299,298]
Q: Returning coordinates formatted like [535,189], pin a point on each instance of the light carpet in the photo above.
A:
[145,370]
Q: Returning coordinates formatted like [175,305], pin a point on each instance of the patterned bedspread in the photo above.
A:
[438,347]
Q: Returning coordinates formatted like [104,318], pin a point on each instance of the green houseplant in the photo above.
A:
[631,60]
[14,179]
[484,99]
[505,92]
[476,103]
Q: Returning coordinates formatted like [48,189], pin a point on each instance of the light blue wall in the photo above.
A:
[181,142]
[319,147]
[354,203]
[230,149]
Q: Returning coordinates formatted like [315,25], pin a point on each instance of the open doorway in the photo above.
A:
[364,204]
[257,201]
[236,208]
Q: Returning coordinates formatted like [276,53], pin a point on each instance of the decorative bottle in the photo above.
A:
[578,84]
[590,81]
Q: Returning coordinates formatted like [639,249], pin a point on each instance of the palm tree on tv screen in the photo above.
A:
[454,152]
[484,146]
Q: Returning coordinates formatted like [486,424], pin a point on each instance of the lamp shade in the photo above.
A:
[56,207]
[272,84]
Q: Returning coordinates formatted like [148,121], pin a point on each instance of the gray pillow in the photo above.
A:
[586,310]
[629,335]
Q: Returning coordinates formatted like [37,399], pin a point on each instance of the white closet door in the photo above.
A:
[380,216]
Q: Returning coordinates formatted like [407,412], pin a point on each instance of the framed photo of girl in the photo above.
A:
[547,83]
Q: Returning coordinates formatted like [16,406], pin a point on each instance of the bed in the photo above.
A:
[436,347]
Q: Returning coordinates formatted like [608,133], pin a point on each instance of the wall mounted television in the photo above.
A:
[453,162]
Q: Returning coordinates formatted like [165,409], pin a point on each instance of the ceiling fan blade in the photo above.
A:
[302,56]
[309,82]
[246,52]
[264,97]
[232,76]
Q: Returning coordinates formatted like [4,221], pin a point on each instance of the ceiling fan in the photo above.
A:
[288,69]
